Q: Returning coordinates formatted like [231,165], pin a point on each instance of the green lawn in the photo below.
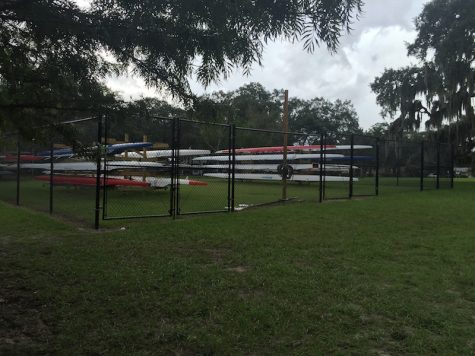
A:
[78,203]
[388,275]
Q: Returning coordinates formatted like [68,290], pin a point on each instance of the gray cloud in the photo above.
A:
[377,42]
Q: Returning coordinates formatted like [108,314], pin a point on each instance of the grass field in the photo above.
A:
[78,203]
[388,275]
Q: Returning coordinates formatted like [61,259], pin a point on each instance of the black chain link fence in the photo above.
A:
[265,173]
[400,165]
[172,167]
[10,158]
[336,167]
[54,171]
[365,166]
[138,170]
[203,174]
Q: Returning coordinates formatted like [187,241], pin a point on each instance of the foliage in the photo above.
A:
[143,117]
[337,120]
[444,77]
[255,107]
[250,106]
[54,54]
[48,70]
[380,130]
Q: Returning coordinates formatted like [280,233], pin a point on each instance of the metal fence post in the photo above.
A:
[285,129]
[104,181]
[173,168]
[421,186]
[452,165]
[177,167]
[352,154]
[398,163]
[324,166]
[230,147]
[98,172]
[51,168]
[376,182]
[321,169]
[233,176]
[18,169]
[438,166]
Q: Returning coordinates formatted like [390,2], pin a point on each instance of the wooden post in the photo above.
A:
[126,139]
[144,154]
[285,129]
[145,139]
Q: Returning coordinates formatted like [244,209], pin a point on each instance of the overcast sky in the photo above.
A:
[377,42]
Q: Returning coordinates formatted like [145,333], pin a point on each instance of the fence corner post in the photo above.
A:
[452,165]
[376,182]
[437,182]
[98,172]
[18,151]
[51,174]
[352,155]
[322,137]
[233,167]
[421,178]
[173,168]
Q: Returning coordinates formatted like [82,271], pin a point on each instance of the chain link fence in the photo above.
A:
[54,171]
[400,165]
[10,158]
[364,166]
[336,167]
[203,170]
[171,167]
[138,169]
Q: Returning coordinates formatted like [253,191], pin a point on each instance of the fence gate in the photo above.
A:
[169,157]
[137,158]
[364,166]
[203,183]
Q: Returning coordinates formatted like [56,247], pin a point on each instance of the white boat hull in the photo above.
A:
[277,177]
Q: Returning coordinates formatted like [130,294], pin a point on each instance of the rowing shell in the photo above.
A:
[277,177]
[166,153]
[315,148]
[271,157]
[92,166]
[274,167]
[162,182]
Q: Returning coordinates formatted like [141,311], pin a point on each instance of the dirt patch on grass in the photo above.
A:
[237,269]
[22,329]
[217,254]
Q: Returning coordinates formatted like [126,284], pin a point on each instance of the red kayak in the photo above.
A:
[23,158]
[91,181]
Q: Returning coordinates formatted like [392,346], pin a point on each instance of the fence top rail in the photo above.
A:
[50,125]
[276,131]
[404,142]
[73,121]
[189,120]
[204,122]
[367,136]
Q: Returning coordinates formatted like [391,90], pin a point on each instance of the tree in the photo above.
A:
[252,106]
[146,114]
[443,84]
[248,106]
[316,116]
[52,52]
[379,130]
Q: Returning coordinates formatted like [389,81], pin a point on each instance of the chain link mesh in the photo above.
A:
[172,167]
